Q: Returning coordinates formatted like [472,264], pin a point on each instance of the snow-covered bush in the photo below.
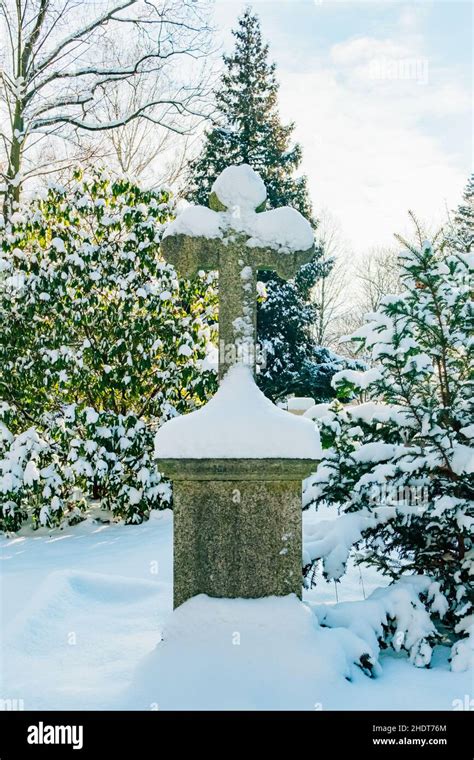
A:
[462,653]
[34,478]
[79,456]
[92,316]
[90,311]
[111,459]
[401,465]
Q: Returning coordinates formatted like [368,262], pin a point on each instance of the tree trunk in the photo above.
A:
[13,189]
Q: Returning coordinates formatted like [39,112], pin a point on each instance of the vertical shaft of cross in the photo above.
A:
[237,512]
[237,308]
[236,238]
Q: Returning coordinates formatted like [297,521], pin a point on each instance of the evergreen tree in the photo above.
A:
[461,234]
[249,131]
[401,464]
[99,342]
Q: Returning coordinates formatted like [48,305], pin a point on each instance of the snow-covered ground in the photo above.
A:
[83,610]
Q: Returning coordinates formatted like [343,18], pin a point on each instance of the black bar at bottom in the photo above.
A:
[127,734]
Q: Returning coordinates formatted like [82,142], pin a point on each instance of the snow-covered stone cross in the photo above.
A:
[236,237]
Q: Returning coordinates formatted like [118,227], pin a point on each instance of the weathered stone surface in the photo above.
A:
[237,526]
[235,538]
[237,522]
[237,469]
[237,265]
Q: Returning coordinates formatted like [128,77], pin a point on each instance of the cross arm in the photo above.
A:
[190,254]
[286,265]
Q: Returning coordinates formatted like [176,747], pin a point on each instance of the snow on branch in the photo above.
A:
[395,617]
[333,540]
[79,34]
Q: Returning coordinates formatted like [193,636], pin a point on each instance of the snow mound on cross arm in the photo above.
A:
[239,421]
[240,186]
[196,221]
[244,654]
[241,190]
[282,228]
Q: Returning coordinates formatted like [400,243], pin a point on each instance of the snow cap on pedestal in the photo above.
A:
[238,422]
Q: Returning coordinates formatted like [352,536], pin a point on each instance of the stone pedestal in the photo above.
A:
[237,526]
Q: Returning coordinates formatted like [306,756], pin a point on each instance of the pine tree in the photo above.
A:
[461,234]
[401,464]
[249,131]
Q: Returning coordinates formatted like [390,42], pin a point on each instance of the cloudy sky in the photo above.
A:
[381,96]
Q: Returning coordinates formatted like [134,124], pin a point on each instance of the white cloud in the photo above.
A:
[354,51]
[370,149]
[411,15]
[378,120]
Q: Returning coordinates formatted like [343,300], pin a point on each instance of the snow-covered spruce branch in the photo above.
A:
[409,448]
[397,617]
[332,541]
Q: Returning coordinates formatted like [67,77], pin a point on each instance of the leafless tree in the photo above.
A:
[379,276]
[142,148]
[137,144]
[54,79]
[331,293]
[374,276]
[371,278]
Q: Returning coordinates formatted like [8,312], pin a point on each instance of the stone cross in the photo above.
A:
[235,260]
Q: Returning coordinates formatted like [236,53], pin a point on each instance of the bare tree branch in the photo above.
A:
[58,74]
[79,34]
